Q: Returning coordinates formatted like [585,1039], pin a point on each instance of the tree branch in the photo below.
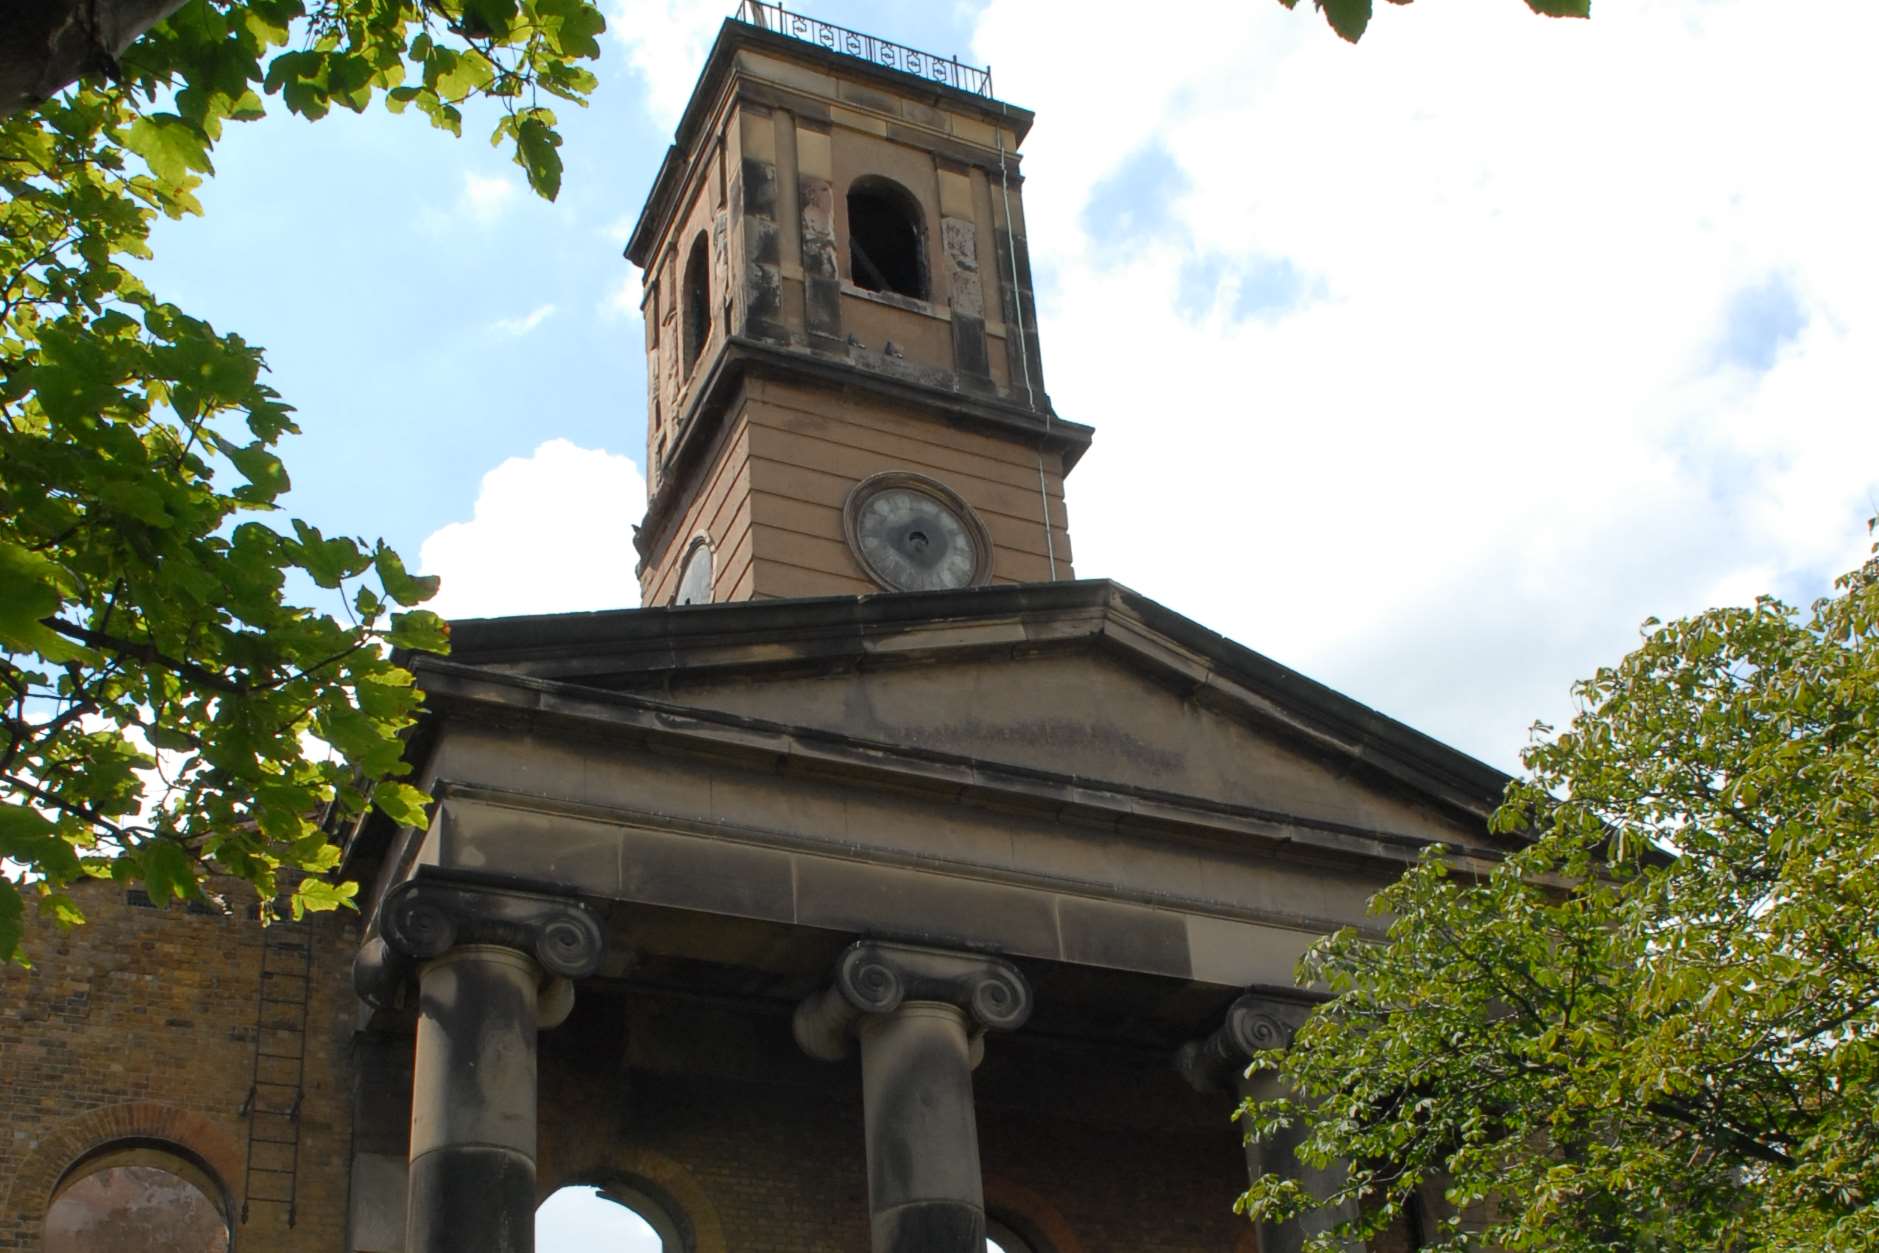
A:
[150,654]
[47,45]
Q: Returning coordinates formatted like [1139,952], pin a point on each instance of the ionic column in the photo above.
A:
[1217,1063]
[493,967]
[920,1015]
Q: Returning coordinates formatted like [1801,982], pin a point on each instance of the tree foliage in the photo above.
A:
[1656,1027]
[1350,18]
[161,690]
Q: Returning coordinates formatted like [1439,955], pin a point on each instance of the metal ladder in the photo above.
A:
[280,1066]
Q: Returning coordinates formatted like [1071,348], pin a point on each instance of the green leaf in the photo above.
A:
[488,19]
[1561,8]
[328,561]
[12,926]
[457,75]
[167,872]
[266,475]
[402,803]
[536,151]
[404,588]
[321,896]
[171,146]
[33,587]
[62,909]
[139,500]
[1348,18]
[31,838]
[419,631]
[574,26]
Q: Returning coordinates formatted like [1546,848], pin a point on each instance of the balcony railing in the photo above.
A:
[947,70]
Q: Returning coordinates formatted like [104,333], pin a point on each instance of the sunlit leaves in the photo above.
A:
[171,146]
[165,710]
[536,145]
[401,802]
[1656,1026]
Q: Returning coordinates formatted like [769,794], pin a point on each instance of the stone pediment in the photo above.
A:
[1084,687]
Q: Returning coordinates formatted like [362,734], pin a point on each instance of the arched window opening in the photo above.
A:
[697,311]
[139,1195]
[1001,1239]
[620,1218]
[695,575]
[886,240]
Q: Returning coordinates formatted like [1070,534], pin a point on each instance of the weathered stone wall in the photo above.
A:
[142,1025]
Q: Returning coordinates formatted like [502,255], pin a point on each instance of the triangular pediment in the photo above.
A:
[1083,686]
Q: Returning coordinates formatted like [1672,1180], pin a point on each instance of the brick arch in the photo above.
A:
[211,1140]
[1005,1199]
[629,1164]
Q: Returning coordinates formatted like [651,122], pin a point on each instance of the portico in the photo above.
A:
[665,805]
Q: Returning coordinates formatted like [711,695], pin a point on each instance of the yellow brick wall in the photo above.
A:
[143,1024]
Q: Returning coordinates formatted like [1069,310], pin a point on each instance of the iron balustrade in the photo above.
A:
[949,71]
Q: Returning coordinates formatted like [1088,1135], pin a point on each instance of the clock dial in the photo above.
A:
[695,579]
[915,542]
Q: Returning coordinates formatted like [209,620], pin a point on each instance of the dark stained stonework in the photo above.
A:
[930,1227]
[472,1200]
[919,1014]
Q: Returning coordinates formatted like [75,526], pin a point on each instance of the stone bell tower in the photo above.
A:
[844,386]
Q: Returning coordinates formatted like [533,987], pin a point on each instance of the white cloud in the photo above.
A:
[486,198]
[621,228]
[622,299]
[1500,433]
[551,533]
[666,42]
[524,324]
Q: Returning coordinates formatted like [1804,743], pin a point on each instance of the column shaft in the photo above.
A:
[472,1183]
[1278,1156]
[925,1194]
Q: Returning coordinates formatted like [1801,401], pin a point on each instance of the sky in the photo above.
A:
[1429,367]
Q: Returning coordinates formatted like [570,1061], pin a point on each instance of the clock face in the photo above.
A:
[695,579]
[914,542]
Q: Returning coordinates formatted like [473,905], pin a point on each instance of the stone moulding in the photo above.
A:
[425,917]
[878,977]
[1215,1062]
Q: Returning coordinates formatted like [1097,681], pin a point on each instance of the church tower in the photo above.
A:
[845,394]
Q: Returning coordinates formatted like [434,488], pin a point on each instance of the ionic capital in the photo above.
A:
[423,918]
[878,977]
[1215,1062]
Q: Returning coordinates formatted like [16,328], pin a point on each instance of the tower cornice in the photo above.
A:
[744,358]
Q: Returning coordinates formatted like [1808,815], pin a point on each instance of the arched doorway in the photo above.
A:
[586,1219]
[1002,1239]
[143,1195]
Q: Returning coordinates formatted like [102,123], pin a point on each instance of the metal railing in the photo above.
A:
[937,69]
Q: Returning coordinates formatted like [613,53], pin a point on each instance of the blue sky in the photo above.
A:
[1430,367]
